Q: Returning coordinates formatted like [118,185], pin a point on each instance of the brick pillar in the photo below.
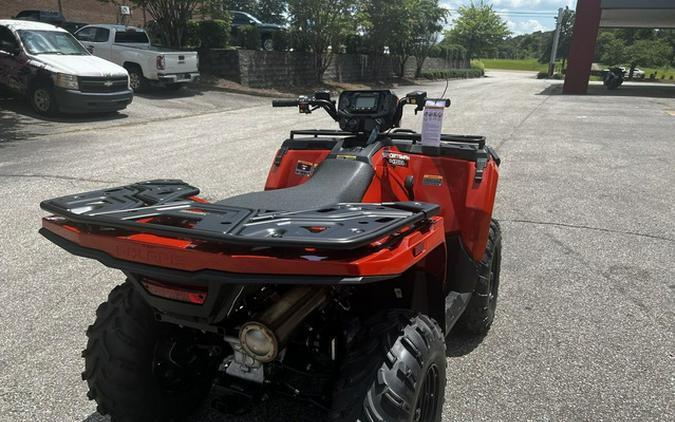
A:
[580,58]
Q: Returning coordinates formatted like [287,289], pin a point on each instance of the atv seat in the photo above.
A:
[333,182]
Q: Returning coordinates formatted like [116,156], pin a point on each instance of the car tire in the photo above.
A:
[268,44]
[137,81]
[136,367]
[42,99]
[479,314]
[394,371]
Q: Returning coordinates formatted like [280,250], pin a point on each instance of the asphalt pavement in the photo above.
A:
[585,321]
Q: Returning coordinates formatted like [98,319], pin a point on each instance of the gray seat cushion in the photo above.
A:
[334,181]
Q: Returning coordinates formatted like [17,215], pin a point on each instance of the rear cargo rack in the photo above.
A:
[170,208]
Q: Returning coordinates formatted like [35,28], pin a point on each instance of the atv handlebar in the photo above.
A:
[285,103]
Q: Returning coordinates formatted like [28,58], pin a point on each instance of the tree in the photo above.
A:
[613,51]
[322,23]
[171,16]
[407,27]
[478,28]
[426,24]
[653,53]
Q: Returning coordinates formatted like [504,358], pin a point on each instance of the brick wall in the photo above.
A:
[86,11]
[260,69]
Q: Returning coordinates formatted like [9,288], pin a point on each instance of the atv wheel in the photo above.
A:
[479,314]
[394,371]
[139,369]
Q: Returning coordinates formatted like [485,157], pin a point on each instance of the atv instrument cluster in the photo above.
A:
[361,111]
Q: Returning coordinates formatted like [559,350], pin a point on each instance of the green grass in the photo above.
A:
[668,72]
[507,64]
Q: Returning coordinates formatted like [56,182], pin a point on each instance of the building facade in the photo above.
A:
[86,11]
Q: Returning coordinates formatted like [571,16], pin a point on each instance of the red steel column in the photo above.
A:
[580,58]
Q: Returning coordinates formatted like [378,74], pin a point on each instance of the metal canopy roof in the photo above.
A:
[638,13]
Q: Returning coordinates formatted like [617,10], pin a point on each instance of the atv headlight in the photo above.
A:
[63,80]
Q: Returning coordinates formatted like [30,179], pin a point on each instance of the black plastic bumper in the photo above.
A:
[87,102]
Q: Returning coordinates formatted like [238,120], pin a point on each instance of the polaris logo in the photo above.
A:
[149,255]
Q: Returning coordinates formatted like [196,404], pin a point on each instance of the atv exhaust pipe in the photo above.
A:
[265,336]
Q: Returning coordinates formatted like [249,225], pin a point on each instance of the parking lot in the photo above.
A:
[584,325]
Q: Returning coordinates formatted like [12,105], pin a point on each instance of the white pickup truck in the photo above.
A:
[130,47]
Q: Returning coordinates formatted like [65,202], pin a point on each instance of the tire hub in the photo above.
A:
[134,80]
[426,408]
[42,100]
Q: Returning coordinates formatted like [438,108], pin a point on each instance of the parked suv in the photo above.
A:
[130,47]
[51,17]
[240,19]
[56,73]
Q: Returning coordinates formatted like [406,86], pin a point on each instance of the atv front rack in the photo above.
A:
[170,208]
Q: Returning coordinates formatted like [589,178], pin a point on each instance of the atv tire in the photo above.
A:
[394,371]
[123,368]
[479,314]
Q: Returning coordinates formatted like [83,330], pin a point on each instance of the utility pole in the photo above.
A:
[554,47]
[60,8]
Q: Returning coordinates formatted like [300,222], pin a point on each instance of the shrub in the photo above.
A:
[477,64]
[191,35]
[354,44]
[249,37]
[299,41]
[453,74]
[214,33]
[280,40]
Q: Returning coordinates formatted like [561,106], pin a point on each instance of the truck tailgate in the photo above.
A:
[181,62]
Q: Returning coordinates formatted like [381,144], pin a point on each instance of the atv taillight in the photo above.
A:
[193,295]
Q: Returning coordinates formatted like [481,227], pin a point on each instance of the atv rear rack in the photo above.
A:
[171,208]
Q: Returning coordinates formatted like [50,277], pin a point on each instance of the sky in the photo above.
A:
[521,16]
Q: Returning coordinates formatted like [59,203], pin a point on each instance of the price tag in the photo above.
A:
[432,123]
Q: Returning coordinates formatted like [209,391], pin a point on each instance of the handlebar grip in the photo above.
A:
[285,103]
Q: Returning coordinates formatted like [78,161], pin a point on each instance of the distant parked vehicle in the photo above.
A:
[56,73]
[240,19]
[50,17]
[130,47]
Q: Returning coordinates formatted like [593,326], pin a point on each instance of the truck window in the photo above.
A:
[131,37]
[93,34]
[51,42]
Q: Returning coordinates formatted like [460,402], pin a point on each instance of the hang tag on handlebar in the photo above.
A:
[432,123]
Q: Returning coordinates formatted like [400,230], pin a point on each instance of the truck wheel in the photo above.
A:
[42,100]
[394,371]
[268,44]
[479,314]
[139,369]
[137,81]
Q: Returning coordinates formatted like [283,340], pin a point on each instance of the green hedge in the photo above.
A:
[453,74]
[207,34]
[280,40]
[249,37]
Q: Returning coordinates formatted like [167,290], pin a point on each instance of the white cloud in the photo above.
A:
[525,26]
[532,4]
